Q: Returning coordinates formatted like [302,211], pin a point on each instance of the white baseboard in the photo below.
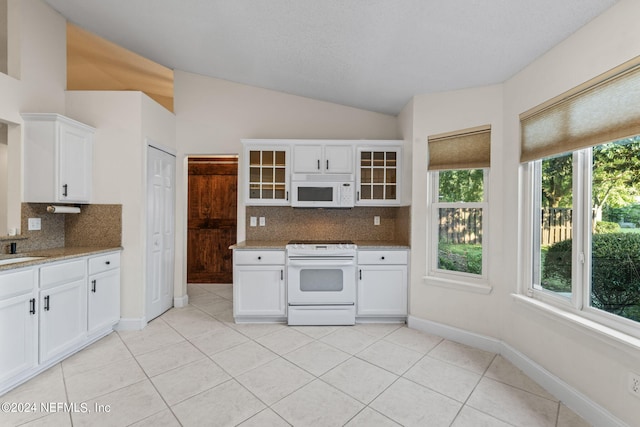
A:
[179,302]
[454,334]
[569,396]
[131,324]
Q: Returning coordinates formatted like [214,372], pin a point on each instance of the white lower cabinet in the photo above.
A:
[382,285]
[63,318]
[46,314]
[259,287]
[103,301]
[18,323]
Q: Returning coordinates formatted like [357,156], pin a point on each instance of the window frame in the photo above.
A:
[477,282]
[529,264]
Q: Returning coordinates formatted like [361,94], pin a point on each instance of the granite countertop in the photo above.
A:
[280,244]
[52,255]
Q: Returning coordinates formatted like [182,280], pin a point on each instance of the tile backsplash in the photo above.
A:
[95,225]
[286,223]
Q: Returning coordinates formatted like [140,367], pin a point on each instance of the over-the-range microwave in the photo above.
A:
[323,191]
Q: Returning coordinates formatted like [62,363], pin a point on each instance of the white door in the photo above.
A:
[160,231]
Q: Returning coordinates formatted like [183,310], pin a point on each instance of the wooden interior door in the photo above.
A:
[212,218]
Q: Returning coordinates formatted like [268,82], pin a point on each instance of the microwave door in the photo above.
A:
[315,194]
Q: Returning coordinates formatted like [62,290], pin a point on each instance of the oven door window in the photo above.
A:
[315,194]
[321,280]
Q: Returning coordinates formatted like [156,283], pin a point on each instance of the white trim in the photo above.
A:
[179,302]
[131,324]
[569,396]
[454,334]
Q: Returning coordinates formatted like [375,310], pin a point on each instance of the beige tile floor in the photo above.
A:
[195,367]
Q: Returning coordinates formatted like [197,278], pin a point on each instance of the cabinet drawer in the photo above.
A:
[62,273]
[382,257]
[102,263]
[259,257]
[17,282]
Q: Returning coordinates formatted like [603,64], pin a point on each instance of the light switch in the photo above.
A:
[253,221]
[262,221]
[35,224]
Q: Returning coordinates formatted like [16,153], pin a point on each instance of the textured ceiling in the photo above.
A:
[370,54]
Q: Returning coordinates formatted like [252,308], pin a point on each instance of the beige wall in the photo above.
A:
[588,361]
[213,115]
[594,367]
[124,121]
[118,177]
[434,114]
[36,81]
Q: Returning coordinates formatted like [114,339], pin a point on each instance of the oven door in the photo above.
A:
[320,281]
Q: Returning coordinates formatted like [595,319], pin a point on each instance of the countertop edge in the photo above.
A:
[280,245]
[57,254]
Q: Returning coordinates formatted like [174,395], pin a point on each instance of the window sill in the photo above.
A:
[478,288]
[596,330]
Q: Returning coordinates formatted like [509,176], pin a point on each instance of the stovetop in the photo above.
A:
[324,247]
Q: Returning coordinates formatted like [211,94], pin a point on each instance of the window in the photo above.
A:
[587,249]
[581,169]
[458,165]
[458,207]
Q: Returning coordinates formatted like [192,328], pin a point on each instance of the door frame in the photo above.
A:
[185,208]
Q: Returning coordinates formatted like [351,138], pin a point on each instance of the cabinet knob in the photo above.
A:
[381,257]
[259,258]
[107,262]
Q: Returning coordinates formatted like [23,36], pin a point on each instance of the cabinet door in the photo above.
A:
[338,159]
[18,335]
[378,176]
[382,290]
[75,158]
[267,176]
[103,309]
[307,159]
[63,318]
[259,291]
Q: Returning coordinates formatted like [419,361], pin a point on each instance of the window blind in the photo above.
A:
[601,110]
[463,149]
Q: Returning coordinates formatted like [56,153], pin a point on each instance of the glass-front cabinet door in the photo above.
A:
[267,171]
[378,176]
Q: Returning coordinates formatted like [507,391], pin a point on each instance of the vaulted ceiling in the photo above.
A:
[370,54]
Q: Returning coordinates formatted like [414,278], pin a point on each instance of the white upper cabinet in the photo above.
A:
[378,175]
[58,159]
[266,173]
[323,158]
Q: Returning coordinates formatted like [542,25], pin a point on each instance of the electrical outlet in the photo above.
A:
[35,224]
[253,221]
[634,384]
[376,220]
[261,221]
